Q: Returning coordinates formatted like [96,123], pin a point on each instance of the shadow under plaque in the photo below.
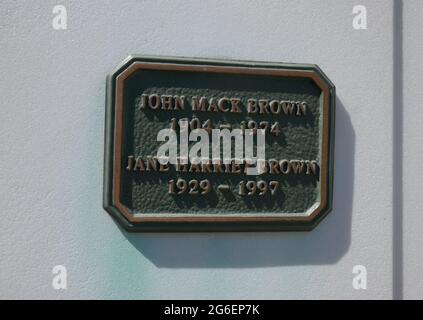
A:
[326,244]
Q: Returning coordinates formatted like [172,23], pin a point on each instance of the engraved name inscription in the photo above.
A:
[233,105]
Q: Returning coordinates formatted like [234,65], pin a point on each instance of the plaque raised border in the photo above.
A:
[210,222]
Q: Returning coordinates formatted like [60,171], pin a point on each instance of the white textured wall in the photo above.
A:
[51,151]
[413,150]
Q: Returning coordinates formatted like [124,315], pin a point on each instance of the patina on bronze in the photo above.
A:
[294,104]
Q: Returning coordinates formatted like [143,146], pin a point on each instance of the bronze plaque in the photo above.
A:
[169,120]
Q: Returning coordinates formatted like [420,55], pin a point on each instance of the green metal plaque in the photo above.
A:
[155,103]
